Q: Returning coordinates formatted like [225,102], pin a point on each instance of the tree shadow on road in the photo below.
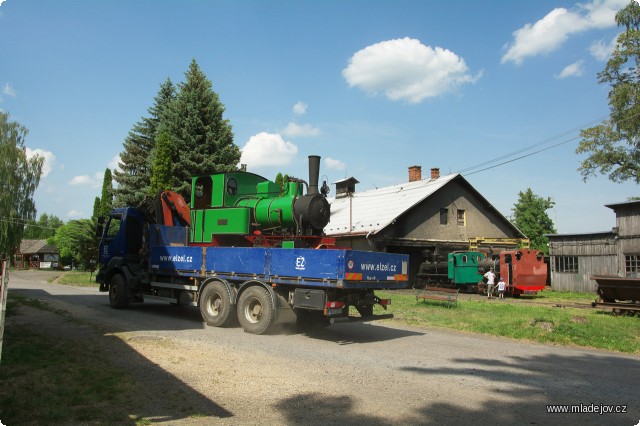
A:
[519,391]
[157,395]
[526,385]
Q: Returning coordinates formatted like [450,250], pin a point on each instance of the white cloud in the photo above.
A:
[9,90]
[114,164]
[602,50]
[49,159]
[334,164]
[602,13]
[268,149]
[550,32]
[81,180]
[406,69]
[73,214]
[300,108]
[86,180]
[296,130]
[573,70]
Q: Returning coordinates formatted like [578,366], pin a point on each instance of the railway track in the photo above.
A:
[523,300]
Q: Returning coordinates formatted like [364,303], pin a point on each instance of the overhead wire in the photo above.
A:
[528,148]
[524,156]
[24,223]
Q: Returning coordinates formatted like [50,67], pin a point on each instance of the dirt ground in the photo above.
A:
[362,373]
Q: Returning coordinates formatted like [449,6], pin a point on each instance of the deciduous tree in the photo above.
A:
[77,243]
[530,216]
[19,178]
[613,146]
[42,229]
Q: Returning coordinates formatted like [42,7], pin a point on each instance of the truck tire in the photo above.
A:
[255,310]
[118,297]
[215,305]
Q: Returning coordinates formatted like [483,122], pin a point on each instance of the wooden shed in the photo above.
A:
[628,233]
[574,258]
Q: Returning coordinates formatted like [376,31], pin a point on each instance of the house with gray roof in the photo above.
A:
[37,254]
[424,218]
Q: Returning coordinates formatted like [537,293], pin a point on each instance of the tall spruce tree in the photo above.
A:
[135,161]
[202,139]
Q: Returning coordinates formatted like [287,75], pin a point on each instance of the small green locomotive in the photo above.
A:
[244,209]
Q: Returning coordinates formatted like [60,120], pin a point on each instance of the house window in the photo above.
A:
[462,217]
[632,262]
[568,264]
[444,216]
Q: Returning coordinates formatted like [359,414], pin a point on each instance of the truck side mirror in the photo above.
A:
[99,231]
[101,220]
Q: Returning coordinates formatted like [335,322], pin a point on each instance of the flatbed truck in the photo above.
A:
[257,286]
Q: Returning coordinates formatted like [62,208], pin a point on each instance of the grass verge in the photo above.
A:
[586,327]
[81,279]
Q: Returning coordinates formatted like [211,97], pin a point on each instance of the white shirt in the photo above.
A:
[491,277]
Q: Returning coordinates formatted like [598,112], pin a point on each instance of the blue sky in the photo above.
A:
[372,86]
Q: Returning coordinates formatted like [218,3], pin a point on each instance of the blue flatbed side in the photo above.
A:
[322,268]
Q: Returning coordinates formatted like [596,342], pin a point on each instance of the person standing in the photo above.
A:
[491,282]
[501,288]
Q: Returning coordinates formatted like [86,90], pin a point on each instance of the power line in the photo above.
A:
[530,147]
[524,156]
[24,223]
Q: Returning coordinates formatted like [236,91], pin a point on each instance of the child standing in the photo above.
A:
[501,288]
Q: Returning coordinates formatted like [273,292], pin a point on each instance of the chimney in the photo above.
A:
[415,173]
[314,174]
[435,173]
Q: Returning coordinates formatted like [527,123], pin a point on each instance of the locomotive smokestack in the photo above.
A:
[314,174]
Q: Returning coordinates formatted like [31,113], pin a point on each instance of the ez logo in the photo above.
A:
[300,263]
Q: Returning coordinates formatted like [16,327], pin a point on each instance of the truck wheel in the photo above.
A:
[215,305]
[118,297]
[255,310]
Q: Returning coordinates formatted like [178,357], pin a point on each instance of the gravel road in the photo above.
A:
[350,373]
